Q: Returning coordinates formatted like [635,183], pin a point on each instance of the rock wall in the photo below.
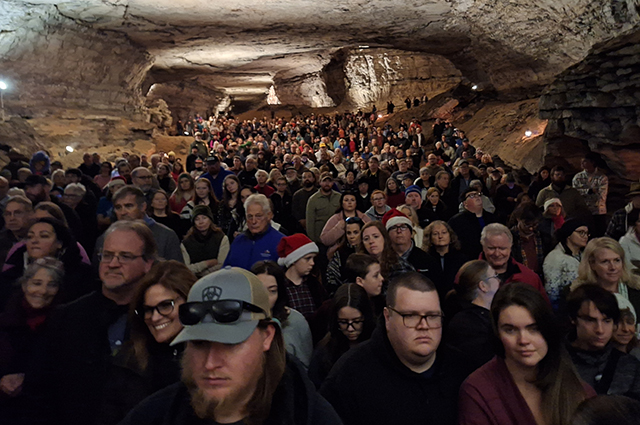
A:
[595,105]
[309,90]
[377,75]
[53,64]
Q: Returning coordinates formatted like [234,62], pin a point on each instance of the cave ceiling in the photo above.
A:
[242,46]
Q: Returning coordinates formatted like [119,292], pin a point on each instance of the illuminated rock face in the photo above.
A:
[97,61]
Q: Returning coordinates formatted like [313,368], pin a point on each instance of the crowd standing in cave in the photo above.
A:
[408,277]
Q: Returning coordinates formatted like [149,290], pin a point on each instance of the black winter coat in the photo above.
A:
[468,228]
[369,385]
[295,402]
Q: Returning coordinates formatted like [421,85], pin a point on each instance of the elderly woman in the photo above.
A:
[560,266]
[260,240]
[604,263]
[21,327]
[48,237]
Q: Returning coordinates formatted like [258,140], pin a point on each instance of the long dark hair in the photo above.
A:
[279,310]
[347,295]
[69,252]
[344,194]
[172,275]
[389,257]
[556,376]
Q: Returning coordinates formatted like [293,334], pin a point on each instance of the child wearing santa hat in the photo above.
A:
[297,254]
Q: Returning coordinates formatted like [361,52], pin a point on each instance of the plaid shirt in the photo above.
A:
[300,298]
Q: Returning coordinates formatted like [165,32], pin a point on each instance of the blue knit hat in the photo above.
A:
[413,188]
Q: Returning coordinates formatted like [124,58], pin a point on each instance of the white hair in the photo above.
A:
[260,199]
[76,188]
[495,229]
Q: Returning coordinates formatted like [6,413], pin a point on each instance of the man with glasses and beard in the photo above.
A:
[234,368]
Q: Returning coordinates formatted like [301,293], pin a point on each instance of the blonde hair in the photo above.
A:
[585,271]
[413,215]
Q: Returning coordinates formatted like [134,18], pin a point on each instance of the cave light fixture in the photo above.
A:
[474,87]
[528,133]
[3,87]
[69,149]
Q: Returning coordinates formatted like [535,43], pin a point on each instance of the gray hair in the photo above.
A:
[140,228]
[495,229]
[262,172]
[53,266]
[55,173]
[75,188]
[136,170]
[260,199]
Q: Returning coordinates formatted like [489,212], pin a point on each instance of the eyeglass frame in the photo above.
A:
[349,324]
[119,257]
[145,309]
[422,316]
[397,227]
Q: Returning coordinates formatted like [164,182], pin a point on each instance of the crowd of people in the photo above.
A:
[321,270]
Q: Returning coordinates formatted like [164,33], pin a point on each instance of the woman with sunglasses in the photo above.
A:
[350,323]
[560,266]
[532,380]
[147,363]
[295,329]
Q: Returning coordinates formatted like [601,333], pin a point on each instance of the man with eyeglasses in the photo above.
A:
[379,205]
[84,337]
[144,180]
[397,377]
[594,314]
[469,223]
[234,369]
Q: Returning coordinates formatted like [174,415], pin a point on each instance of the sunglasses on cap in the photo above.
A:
[222,311]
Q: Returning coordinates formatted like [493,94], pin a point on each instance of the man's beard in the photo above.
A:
[291,179]
[308,184]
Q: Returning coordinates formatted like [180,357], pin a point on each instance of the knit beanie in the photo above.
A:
[413,188]
[394,217]
[568,228]
[548,202]
[294,247]
[201,210]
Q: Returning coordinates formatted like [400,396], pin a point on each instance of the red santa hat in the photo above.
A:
[294,247]
[393,217]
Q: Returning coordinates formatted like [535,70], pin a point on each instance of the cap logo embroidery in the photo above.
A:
[211,293]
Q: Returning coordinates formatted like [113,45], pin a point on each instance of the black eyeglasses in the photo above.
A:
[223,311]
[412,320]
[346,324]
[164,308]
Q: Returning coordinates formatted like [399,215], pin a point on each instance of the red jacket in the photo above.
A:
[517,272]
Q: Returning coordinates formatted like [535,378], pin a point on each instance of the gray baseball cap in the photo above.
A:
[230,283]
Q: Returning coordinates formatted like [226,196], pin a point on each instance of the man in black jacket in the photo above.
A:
[468,224]
[396,377]
[84,336]
[234,365]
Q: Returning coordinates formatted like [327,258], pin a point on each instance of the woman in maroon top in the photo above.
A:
[532,380]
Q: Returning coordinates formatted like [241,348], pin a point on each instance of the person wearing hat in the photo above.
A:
[572,201]
[413,198]
[321,206]
[463,176]
[198,143]
[235,367]
[293,181]
[205,247]
[297,254]
[553,216]
[400,229]
[560,267]
[469,223]
[198,169]
[215,174]
[619,224]
[191,159]
[624,336]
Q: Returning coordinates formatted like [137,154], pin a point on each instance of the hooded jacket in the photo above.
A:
[294,402]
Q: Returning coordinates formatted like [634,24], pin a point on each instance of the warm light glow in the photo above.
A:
[3,85]
[528,133]
[69,149]
[379,115]
[272,98]
[363,47]
[474,87]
